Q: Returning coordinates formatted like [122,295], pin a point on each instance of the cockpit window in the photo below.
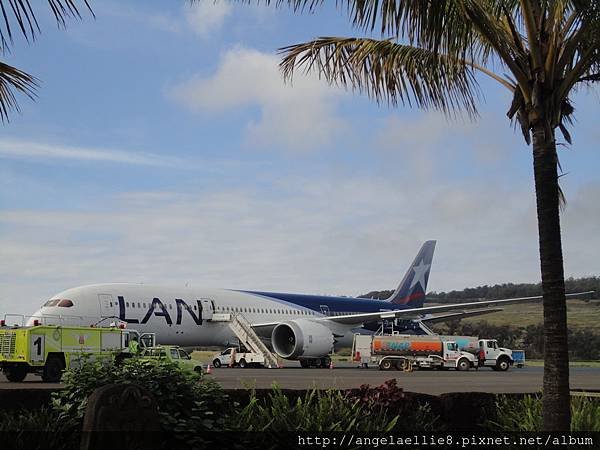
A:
[52,302]
[65,303]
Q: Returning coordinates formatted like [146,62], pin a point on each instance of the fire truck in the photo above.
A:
[47,350]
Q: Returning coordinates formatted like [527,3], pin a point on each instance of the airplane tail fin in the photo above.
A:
[412,288]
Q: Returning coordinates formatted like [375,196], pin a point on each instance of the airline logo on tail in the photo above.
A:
[412,288]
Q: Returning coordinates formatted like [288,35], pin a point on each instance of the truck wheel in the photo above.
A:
[462,365]
[243,364]
[217,363]
[386,364]
[502,364]
[16,373]
[53,370]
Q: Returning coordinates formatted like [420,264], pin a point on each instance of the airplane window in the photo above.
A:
[196,306]
[65,303]
[127,304]
[110,303]
[133,304]
[170,306]
[144,305]
[139,305]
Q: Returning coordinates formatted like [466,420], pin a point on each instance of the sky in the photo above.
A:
[165,147]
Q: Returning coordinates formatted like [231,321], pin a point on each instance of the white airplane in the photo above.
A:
[298,326]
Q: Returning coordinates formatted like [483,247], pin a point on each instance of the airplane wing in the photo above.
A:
[458,315]
[418,313]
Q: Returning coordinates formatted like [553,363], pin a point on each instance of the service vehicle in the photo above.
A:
[48,350]
[172,353]
[402,352]
[490,354]
[242,358]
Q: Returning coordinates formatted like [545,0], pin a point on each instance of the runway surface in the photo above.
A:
[528,379]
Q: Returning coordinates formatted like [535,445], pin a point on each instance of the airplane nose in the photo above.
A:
[38,315]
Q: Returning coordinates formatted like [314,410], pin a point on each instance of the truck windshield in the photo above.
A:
[174,353]
[184,355]
[451,346]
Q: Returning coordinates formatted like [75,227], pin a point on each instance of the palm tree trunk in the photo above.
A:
[556,395]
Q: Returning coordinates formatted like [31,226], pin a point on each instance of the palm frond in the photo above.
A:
[20,14]
[13,80]
[388,72]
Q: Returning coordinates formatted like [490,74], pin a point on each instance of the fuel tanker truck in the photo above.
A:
[431,351]
[404,352]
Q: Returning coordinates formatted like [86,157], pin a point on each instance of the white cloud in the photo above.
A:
[298,116]
[207,17]
[339,236]
[28,150]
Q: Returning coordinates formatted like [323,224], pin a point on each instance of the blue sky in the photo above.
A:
[164,147]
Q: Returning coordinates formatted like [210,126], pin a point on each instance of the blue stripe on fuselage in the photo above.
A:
[347,305]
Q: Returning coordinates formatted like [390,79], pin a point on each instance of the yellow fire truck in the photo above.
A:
[47,350]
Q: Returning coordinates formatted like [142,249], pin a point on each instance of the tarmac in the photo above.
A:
[347,375]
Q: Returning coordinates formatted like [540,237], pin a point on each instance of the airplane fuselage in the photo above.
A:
[184,316]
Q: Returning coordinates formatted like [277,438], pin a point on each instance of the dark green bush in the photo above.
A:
[526,414]
[188,405]
[316,411]
[36,429]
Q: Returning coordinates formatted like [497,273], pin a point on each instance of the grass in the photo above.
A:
[581,315]
[540,363]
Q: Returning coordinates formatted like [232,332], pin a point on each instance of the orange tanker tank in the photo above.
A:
[407,345]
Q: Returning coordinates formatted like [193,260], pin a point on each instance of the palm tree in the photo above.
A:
[20,15]
[430,55]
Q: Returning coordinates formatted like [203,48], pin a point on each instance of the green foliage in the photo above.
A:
[388,398]
[188,405]
[36,429]
[505,290]
[317,411]
[583,344]
[368,409]
[526,414]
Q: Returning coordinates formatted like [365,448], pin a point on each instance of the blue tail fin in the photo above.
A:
[412,288]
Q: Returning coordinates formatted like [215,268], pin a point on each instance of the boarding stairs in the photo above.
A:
[249,339]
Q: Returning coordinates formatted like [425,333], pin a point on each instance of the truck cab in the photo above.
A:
[455,358]
[490,354]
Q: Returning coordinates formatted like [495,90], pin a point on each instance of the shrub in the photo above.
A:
[188,405]
[526,414]
[317,411]
[40,429]
[390,399]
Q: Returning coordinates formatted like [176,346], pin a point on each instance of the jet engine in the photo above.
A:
[306,338]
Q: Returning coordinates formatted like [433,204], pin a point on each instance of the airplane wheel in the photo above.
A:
[304,363]
[15,373]
[243,364]
[216,363]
